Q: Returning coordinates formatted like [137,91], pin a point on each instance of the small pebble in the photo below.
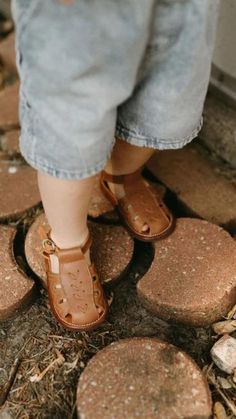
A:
[223,354]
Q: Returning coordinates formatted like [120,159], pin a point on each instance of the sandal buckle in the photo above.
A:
[49,246]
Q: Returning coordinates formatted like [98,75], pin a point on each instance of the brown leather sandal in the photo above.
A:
[139,206]
[75,294]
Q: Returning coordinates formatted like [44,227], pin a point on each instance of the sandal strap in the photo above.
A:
[119,179]
[50,247]
[139,206]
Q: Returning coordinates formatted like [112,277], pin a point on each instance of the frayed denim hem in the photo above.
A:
[160,144]
[42,165]
[65,174]
[38,164]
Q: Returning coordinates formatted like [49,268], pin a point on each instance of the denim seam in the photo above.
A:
[141,140]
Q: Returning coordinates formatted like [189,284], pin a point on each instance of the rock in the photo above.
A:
[219,128]
[10,142]
[199,188]
[111,251]
[192,278]
[9,98]
[143,378]
[223,353]
[19,187]
[17,291]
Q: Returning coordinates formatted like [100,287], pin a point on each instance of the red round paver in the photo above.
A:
[193,275]
[99,206]
[18,189]
[112,250]
[17,291]
[143,378]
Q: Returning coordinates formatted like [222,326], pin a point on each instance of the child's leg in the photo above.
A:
[125,159]
[71,87]
[66,206]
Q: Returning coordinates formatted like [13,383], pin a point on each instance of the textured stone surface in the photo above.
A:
[193,275]
[7,53]
[10,142]
[101,207]
[16,290]
[199,187]
[111,251]
[219,128]
[9,97]
[144,378]
[18,190]
[224,353]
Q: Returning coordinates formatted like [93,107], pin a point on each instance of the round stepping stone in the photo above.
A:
[193,275]
[9,98]
[101,207]
[143,378]
[18,190]
[112,250]
[17,291]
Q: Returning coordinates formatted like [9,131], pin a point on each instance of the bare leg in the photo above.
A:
[66,206]
[125,159]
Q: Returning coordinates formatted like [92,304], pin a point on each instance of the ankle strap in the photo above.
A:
[107,177]
[50,247]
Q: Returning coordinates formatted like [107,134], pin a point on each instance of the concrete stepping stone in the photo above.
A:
[17,291]
[10,142]
[101,207]
[7,53]
[9,98]
[18,190]
[192,278]
[142,378]
[200,189]
[112,250]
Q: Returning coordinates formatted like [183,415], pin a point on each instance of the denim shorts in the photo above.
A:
[92,70]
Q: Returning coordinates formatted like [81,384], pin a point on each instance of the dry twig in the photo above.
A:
[7,387]
[58,361]
[231,405]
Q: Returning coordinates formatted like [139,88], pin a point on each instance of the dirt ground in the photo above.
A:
[38,341]
[35,337]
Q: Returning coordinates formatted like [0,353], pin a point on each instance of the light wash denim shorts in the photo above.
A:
[91,70]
